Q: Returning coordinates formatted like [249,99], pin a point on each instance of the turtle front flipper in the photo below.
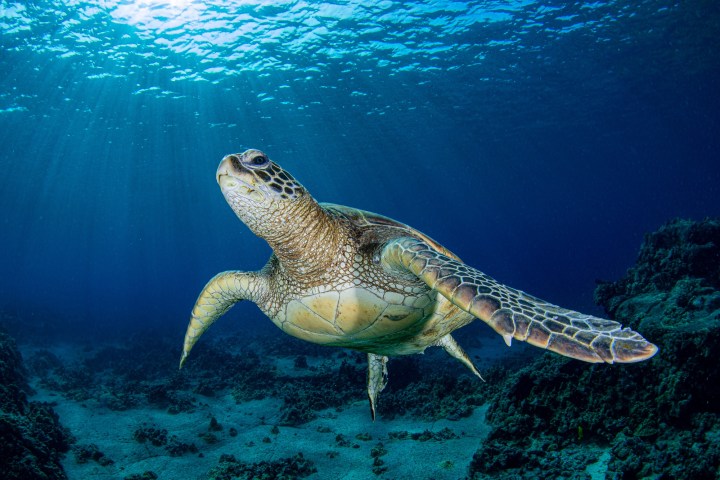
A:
[222,292]
[515,314]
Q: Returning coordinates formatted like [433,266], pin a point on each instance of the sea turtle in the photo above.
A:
[345,277]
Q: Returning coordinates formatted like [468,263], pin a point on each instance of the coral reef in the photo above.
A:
[424,436]
[176,448]
[158,437]
[228,468]
[378,465]
[143,372]
[86,452]
[342,441]
[155,436]
[435,392]
[303,397]
[656,418]
[32,439]
[678,250]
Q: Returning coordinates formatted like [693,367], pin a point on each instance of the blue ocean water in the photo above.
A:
[537,140]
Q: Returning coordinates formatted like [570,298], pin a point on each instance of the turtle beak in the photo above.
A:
[223,169]
[235,180]
[226,174]
[230,171]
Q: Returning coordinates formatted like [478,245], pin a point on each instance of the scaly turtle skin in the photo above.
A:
[348,278]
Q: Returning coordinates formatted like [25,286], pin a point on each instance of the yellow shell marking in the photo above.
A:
[324,304]
[303,317]
[358,308]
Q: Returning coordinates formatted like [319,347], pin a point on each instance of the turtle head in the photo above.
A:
[258,190]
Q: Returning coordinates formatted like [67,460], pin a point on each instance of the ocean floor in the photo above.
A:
[340,444]
[121,430]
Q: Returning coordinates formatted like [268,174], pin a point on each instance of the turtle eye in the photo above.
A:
[258,161]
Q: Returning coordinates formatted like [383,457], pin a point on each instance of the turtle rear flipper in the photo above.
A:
[515,314]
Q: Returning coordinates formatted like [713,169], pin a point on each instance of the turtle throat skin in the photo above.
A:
[278,209]
[302,239]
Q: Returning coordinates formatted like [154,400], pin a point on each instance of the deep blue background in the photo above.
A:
[538,141]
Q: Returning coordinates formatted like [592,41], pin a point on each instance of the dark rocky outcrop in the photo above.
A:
[658,418]
[33,441]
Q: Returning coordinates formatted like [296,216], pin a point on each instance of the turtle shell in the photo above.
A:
[367,308]
[365,218]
